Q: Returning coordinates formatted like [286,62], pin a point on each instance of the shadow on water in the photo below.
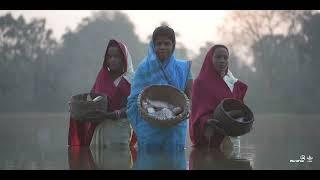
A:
[39,141]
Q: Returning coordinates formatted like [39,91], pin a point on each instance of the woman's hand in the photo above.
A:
[117,114]
[211,127]
[114,115]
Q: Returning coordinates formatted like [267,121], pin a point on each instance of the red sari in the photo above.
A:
[81,132]
[208,90]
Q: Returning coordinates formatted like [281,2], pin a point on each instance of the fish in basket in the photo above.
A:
[234,117]
[163,105]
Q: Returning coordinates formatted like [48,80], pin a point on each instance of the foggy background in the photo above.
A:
[275,52]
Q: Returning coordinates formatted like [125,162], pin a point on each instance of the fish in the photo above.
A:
[159,104]
[150,110]
[145,105]
[98,98]
[167,113]
[161,110]
[163,114]
[241,119]
[177,110]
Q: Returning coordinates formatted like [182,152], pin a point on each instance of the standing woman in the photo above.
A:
[159,67]
[113,81]
[214,83]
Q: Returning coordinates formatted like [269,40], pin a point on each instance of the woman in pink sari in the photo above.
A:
[214,83]
[113,81]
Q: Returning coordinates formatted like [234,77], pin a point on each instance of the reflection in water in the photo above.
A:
[33,158]
[214,159]
[39,141]
[160,160]
[80,158]
[94,158]
[120,158]
[115,158]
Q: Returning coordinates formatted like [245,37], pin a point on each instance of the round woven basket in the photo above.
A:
[81,109]
[229,123]
[165,93]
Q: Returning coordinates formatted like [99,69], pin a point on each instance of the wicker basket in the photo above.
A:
[230,124]
[165,93]
[81,109]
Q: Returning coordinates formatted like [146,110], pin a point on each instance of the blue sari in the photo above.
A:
[151,72]
[160,160]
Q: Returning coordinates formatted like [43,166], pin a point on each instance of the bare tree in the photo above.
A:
[242,29]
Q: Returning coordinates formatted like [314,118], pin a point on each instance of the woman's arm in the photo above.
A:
[188,89]
[117,114]
[189,83]
[122,113]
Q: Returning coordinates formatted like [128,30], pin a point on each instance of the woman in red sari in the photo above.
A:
[113,81]
[214,83]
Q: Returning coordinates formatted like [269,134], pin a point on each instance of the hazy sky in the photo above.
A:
[195,27]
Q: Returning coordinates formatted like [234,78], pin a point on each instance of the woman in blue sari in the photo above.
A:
[161,67]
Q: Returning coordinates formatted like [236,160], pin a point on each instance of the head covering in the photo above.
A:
[80,133]
[209,89]
[104,84]
[151,71]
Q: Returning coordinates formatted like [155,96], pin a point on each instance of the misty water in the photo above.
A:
[39,141]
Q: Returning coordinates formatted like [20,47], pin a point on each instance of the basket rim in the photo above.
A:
[244,105]
[77,105]
[72,99]
[182,116]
